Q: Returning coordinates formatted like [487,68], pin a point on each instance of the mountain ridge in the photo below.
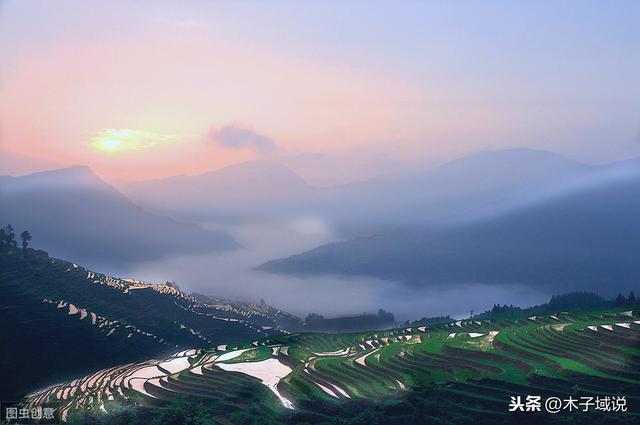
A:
[578,238]
[78,215]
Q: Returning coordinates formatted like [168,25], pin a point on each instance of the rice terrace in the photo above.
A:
[454,370]
[298,212]
[472,366]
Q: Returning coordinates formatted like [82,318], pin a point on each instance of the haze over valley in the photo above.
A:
[508,226]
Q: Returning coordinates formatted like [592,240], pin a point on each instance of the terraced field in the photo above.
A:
[57,306]
[471,368]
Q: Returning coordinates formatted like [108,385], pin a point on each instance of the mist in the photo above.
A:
[232,275]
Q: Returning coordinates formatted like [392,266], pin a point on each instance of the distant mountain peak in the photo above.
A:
[231,188]
[77,171]
[79,168]
[74,212]
[76,176]
[258,168]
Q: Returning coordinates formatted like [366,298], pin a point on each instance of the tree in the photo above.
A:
[631,299]
[10,236]
[314,318]
[620,300]
[26,237]
[385,316]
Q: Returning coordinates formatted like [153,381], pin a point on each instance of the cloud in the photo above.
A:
[236,137]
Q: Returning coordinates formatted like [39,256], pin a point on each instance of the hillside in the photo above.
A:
[77,215]
[447,372]
[578,239]
[63,319]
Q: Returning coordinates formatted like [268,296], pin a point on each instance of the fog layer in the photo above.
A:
[232,275]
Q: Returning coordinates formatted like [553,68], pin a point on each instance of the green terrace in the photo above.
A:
[471,365]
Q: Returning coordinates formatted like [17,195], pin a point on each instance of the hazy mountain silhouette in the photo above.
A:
[459,188]
[580,236]
[240,190]
[71,212]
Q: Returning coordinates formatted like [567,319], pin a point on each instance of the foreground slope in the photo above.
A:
[453,372]
[62,319]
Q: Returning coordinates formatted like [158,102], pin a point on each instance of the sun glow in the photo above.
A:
[110,145]
[117,140]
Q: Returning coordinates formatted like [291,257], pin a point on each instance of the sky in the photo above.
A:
[338,91]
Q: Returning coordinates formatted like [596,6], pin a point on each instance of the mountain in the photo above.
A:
[74,214]
[240,190]
[583,237]
[468,185]
[60,319]
[461,188]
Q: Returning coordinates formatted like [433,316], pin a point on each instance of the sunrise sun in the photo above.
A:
[118,140]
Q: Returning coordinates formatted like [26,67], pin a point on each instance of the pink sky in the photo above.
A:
[339,98]
[183,85]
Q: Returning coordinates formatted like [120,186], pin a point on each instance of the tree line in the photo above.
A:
[573,301]
[8,239]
